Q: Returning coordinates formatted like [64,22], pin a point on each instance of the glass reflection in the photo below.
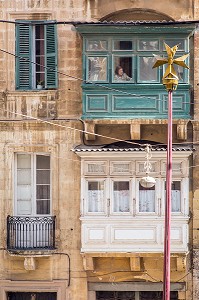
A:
[148,45]
[97,68]
[97,45]
[146,71]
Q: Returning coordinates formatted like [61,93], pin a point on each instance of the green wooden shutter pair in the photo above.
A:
[24,56]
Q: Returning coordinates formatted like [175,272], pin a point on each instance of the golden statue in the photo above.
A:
[170,77]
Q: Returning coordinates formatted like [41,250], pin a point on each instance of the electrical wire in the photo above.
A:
[93,83]
[83,80]
[105,23]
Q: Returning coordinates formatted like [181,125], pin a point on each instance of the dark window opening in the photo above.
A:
[31,296]
[114,295]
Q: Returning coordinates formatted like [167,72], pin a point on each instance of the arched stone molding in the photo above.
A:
[136,15]
[168,10]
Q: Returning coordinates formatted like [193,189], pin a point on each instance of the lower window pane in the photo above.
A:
[122,69]
[121,195]
[146,199]
[175,196]
[43,207]
[95,196]
[146,71]
[43,191]
[97,68]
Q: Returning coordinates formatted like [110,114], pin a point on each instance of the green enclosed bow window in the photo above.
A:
[128,60]
[36,56]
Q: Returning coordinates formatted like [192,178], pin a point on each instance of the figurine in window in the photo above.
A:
[120,75]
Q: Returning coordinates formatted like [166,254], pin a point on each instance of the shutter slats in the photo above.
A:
[51,56]
[23,65]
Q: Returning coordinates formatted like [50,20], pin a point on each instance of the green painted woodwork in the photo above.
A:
[51,56]
[135,28]
[150,103]
[25,57]
[23,52]
[143,96]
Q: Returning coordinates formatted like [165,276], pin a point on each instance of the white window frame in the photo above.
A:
[157,199]
[134,176]
[33,184]
[85,202]
[184,196]
[131,188]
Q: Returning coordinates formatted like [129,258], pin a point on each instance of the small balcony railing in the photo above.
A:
[30,233]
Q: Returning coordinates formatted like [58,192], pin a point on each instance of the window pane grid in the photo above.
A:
[33,189]
[142,49]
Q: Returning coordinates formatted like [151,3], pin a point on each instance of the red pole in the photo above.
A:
[167,233]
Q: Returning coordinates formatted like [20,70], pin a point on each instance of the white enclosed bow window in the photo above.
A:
[119,214]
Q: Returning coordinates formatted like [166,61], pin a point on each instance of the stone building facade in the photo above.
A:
[75,223]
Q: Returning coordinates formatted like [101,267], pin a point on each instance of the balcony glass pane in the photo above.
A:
[123,69]
[95,196]
[121,196]
[97,45]
[175,196]
[97,68]
[146,45]
[146,199]
[145,69]
[123,45]
[171,43]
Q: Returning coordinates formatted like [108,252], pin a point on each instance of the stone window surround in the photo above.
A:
[36,286]
[13,16]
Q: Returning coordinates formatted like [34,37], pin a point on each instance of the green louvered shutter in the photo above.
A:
[51,56]
[23,52]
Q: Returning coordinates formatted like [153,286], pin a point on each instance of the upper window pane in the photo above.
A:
[123,45]
[146,45]
[96,45]
[179,42]
[97,68]
[121,196]
[43,162]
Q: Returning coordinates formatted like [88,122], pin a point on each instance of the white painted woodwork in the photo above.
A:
[145,235]
[126,218]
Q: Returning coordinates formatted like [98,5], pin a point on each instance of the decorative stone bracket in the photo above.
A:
[29,263]
[135,127]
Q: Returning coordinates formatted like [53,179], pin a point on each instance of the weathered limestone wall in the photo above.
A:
[31,136]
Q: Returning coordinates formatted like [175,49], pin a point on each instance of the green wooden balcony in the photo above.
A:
[126,101]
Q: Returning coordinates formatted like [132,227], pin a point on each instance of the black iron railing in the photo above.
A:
[30,233]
